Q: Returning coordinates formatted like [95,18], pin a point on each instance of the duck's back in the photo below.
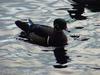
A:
[42,30]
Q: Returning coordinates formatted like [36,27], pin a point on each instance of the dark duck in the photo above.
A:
[47,36]
[42,34]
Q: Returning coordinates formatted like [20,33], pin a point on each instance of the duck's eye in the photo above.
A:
[56,26]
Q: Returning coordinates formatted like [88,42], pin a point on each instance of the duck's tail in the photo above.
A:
[22,25]
[25,26]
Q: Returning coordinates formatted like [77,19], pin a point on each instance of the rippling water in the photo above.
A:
[21,58]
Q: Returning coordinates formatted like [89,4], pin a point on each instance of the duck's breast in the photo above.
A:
[58,38]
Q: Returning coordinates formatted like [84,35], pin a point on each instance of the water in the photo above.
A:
[21,58]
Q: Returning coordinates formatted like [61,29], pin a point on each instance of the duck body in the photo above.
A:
[42,34]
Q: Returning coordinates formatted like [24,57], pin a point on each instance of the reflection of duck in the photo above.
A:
[61,57]
[44,35]
[60,54]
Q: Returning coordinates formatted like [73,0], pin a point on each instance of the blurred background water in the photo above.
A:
[21,58]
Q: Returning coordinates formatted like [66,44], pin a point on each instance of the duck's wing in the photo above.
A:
[42,30]
[47,29]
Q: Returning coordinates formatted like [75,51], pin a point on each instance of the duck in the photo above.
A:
[44,35]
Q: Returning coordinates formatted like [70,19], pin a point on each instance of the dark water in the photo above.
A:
[21,58]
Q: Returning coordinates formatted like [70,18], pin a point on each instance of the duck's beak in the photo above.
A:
[66,29]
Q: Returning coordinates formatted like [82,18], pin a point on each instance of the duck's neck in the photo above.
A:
[59,30]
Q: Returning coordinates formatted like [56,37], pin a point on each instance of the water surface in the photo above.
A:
[21,58]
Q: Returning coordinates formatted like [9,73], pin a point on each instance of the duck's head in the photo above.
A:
[60,24]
